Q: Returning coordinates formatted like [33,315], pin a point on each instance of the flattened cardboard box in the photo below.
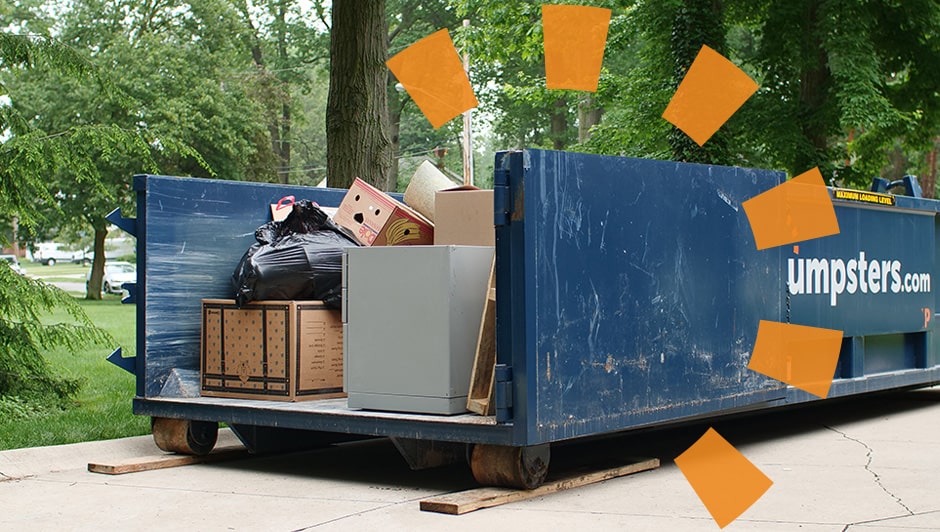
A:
[271,350]
[377,219]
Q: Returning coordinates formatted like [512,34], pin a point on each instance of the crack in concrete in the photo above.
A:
[886,519]
[870,455]
[7,478]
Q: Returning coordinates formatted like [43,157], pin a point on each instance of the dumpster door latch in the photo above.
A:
[503,393]
[501,197]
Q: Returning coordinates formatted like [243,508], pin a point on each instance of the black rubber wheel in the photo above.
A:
[184,436]
[50,262]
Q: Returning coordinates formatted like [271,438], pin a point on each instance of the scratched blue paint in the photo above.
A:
[191,233]
[642,294]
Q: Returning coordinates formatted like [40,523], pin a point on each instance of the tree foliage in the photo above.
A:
[843,84]
[847,86]
[26,158]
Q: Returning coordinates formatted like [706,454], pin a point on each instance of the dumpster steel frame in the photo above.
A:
[589,249]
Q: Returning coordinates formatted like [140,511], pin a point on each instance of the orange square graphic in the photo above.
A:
[797,210]
[574,40]
[712,90]
[725,481]
[431,72]
[804,357]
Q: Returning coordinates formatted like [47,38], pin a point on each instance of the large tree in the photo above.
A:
[358,143]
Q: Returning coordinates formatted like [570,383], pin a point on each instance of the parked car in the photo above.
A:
[51,253]
[115,274]
[13,262]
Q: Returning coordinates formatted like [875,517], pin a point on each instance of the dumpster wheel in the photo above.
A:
[513,467]
[184,436]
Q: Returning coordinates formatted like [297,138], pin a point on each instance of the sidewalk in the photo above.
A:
[864,465]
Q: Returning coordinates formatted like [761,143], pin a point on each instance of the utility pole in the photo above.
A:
[467,126]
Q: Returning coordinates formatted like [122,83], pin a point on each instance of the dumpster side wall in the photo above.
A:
[643,291]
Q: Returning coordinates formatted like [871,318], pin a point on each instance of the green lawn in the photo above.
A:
[59,272]
[102,408]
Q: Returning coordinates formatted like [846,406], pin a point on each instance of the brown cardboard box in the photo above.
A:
[463,216]
[377,219]
[272,350]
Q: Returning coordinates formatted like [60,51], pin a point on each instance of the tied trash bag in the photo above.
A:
[300,257]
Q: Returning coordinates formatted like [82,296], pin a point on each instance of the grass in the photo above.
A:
[102,408]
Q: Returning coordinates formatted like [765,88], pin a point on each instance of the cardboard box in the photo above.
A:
[377,219]
[464,216]
[412,319]
[272,350]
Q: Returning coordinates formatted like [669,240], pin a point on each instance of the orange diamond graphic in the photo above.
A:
[431,72]
[804,357]
[712,90]
[574,38]
[726,482]
[797,210]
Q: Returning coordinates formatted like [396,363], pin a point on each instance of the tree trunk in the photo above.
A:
[357,141]
[559,126]
[279,124]
[815,80]
[93,290]
[282,148]
[589,115]
[929,184]
[697,22]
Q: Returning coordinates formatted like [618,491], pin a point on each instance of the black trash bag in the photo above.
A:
[300,257]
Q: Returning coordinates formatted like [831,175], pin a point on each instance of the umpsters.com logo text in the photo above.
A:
[857,275]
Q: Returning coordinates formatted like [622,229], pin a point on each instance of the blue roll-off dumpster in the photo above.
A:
[629,294]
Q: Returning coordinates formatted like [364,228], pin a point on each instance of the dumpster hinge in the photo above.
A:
[503,393]
[501,197]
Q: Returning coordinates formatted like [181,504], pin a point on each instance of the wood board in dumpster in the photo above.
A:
[271,350]
[377,219]
[411,322]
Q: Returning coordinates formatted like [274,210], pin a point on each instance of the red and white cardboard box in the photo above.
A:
[377,219]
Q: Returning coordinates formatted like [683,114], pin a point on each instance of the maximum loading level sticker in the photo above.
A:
[862,196]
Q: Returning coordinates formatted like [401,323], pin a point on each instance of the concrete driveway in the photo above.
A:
[867,464]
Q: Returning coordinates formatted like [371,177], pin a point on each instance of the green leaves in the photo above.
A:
[24,303]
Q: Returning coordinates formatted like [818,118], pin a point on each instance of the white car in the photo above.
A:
[116,274]
[13,262]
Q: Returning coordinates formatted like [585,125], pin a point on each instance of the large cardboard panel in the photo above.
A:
[423,186]
[377,219]
[464,217]
[272,350]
